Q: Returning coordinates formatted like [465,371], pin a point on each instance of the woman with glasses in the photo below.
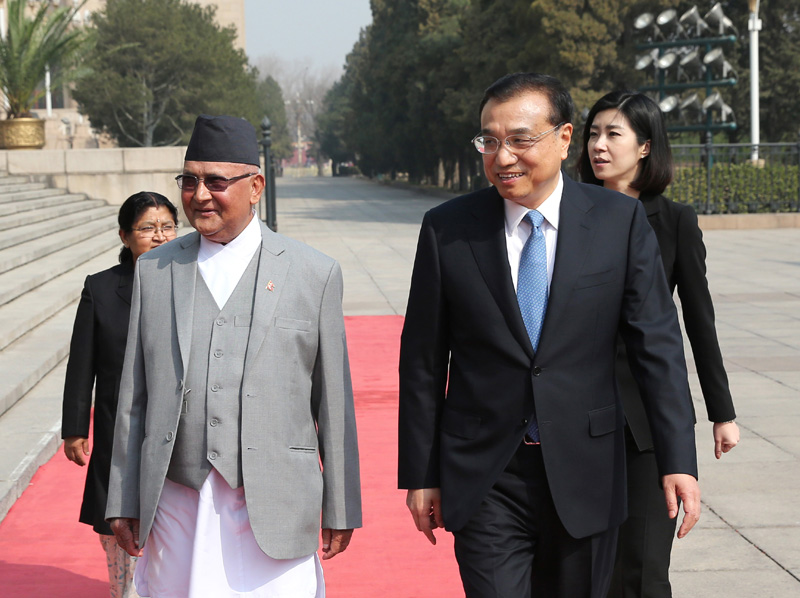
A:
[625,147]
[146,220]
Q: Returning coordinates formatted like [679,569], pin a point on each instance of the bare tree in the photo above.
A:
[304,87]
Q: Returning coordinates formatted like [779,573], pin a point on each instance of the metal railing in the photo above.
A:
[724,178]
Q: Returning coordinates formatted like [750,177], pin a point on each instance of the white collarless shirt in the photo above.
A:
[517,231]
[222,266]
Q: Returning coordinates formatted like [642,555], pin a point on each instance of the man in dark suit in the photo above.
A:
[511,431]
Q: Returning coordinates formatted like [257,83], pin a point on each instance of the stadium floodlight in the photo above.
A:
[715,102]
[691,102]
[669,19]
[667,60]
[689,106]
[643,61]
[716,19]
[643,21]
[716,59]
[691,61]
[692,21]
[646,20]
[668,104]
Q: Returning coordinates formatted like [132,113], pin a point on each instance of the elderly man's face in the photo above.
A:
[221,215]
[526,177]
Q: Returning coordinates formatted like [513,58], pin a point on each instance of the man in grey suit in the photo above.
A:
[235,427]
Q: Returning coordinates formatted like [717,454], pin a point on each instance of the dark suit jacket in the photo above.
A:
[469,379]
[97,351]
[684,257]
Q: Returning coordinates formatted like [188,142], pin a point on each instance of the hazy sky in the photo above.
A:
[321,31]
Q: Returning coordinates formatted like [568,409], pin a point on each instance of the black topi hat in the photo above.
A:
[223,139]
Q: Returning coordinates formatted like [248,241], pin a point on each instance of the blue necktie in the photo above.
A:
[532,289]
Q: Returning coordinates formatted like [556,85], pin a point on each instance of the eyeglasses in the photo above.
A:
[486,144]
[168,230]
[189,182]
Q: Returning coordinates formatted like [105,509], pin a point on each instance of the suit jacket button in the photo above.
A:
[537,370]
[524,421]
[212,455]
[170,436]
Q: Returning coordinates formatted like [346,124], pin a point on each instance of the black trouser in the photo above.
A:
[645,539]
[515,546]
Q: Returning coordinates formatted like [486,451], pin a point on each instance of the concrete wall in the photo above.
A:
[109,174]
[749,221]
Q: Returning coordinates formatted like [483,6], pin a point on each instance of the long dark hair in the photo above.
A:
[647,122]
[135,206]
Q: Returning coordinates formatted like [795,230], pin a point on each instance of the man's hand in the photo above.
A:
[726,436]
[126,531]
[425,505]
[334,541]
[76,448]
[683,486]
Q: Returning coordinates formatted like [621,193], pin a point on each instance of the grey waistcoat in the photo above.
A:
[209,429]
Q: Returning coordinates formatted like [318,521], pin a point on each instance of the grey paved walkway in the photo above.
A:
[748,541]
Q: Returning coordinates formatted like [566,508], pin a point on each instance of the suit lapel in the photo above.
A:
[575,236]
[486,234]
[184,276]
[273,266]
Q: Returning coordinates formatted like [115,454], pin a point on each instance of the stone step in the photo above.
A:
[19,281]
[28,359]
[11,180]
[56,199]
[21,186]
[23,253]
[31,433]
[28,232]
[15,196]
[27,311]
[19,219]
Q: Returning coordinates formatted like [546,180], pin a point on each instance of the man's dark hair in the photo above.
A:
[133,207]
[511,86]
[647,122]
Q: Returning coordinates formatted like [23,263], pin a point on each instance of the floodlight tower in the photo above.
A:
[677,43]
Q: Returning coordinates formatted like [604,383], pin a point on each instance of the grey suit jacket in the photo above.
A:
[297,401]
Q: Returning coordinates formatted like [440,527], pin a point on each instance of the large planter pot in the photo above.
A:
[22,133]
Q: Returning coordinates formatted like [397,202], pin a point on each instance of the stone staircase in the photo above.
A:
[50,241]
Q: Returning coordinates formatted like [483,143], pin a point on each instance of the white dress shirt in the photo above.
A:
[222,266]
[517,231]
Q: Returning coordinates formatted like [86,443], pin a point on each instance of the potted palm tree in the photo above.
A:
[36,41]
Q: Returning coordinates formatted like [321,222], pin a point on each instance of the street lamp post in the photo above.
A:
[271,218]
[754,26]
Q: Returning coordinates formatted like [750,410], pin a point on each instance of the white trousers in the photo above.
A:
[201,546]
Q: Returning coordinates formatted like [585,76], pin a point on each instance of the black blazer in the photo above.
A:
[469,379]
[684,257]
[97,351]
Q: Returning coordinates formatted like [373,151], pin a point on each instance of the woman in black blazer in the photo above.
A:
[625,147]
[146,220]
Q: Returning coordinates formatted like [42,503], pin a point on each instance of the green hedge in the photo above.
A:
[738,188]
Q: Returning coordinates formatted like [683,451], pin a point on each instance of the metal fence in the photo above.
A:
[724,179]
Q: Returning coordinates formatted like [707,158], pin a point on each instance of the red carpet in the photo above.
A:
[45,552]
